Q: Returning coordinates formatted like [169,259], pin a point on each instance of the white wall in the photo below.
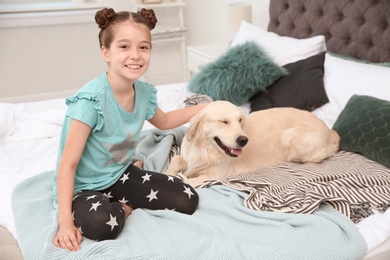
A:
[207,20]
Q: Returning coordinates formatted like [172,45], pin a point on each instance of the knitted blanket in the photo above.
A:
[221,228]
[156,147]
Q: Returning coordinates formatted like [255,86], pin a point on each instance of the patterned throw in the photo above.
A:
[348,182]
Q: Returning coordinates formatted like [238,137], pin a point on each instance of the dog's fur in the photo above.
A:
[222,141]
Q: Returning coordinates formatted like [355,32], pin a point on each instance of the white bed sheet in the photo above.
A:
[29,137]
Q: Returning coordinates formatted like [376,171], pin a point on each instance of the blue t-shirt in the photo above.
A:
[115,132]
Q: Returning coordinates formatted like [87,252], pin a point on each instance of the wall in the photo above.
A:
[207,20]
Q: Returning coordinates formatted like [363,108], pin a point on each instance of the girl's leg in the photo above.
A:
[151,190]
[96,217]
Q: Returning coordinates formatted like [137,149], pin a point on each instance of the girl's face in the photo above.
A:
[129,54]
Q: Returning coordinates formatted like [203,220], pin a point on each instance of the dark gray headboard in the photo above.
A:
[356,28]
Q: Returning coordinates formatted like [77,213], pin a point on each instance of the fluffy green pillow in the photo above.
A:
[237,75]
[364,127]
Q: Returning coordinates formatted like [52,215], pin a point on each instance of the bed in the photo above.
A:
[337,209]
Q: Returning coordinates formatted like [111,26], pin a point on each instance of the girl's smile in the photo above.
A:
[129,54]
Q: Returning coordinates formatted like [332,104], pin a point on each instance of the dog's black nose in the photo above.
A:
[242,140]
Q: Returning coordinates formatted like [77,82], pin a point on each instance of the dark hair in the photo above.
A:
[107,18]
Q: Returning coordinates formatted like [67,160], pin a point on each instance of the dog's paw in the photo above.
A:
[176,166]
[171,173]
[182,176]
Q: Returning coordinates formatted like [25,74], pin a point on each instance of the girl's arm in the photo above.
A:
[68,236]
[172,119]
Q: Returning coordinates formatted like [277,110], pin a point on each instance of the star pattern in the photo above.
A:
[80,230]
[124,178]
[76,196]
[148,181]
[188,191]
[95,206]
[146,177]
[152,195]
[112,222]
[108,195]
[120,152]
[123,200]
[90,197]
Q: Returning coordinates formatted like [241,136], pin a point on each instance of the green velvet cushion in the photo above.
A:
[237,75]
[364,127]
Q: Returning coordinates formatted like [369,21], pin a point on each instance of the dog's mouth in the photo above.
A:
[232,152]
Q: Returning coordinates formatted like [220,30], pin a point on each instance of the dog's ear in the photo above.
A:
[195,126]
[243,116]
[243,119]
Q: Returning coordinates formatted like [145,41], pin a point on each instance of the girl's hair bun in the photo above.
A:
[104,16]
[150,17]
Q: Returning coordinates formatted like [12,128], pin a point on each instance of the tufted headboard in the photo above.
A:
[356,28]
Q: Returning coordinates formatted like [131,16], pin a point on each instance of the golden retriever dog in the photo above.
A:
[223,141]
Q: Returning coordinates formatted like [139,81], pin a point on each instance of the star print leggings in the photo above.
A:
[100,215]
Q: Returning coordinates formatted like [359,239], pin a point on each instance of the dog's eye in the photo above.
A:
[224,122]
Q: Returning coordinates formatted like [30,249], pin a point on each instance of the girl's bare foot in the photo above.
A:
[139,164]
[128,210]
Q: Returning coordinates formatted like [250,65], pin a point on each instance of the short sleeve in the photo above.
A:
[152,105]
[86,109]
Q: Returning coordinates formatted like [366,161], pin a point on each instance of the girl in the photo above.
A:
[96,185]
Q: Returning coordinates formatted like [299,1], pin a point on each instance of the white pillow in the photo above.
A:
[343,78]
[281,49]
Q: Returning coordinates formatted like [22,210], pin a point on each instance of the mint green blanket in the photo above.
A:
[221,228]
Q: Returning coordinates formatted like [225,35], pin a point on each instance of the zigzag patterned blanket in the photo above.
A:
[348,182]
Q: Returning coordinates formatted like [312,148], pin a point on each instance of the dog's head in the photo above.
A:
[220,126]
